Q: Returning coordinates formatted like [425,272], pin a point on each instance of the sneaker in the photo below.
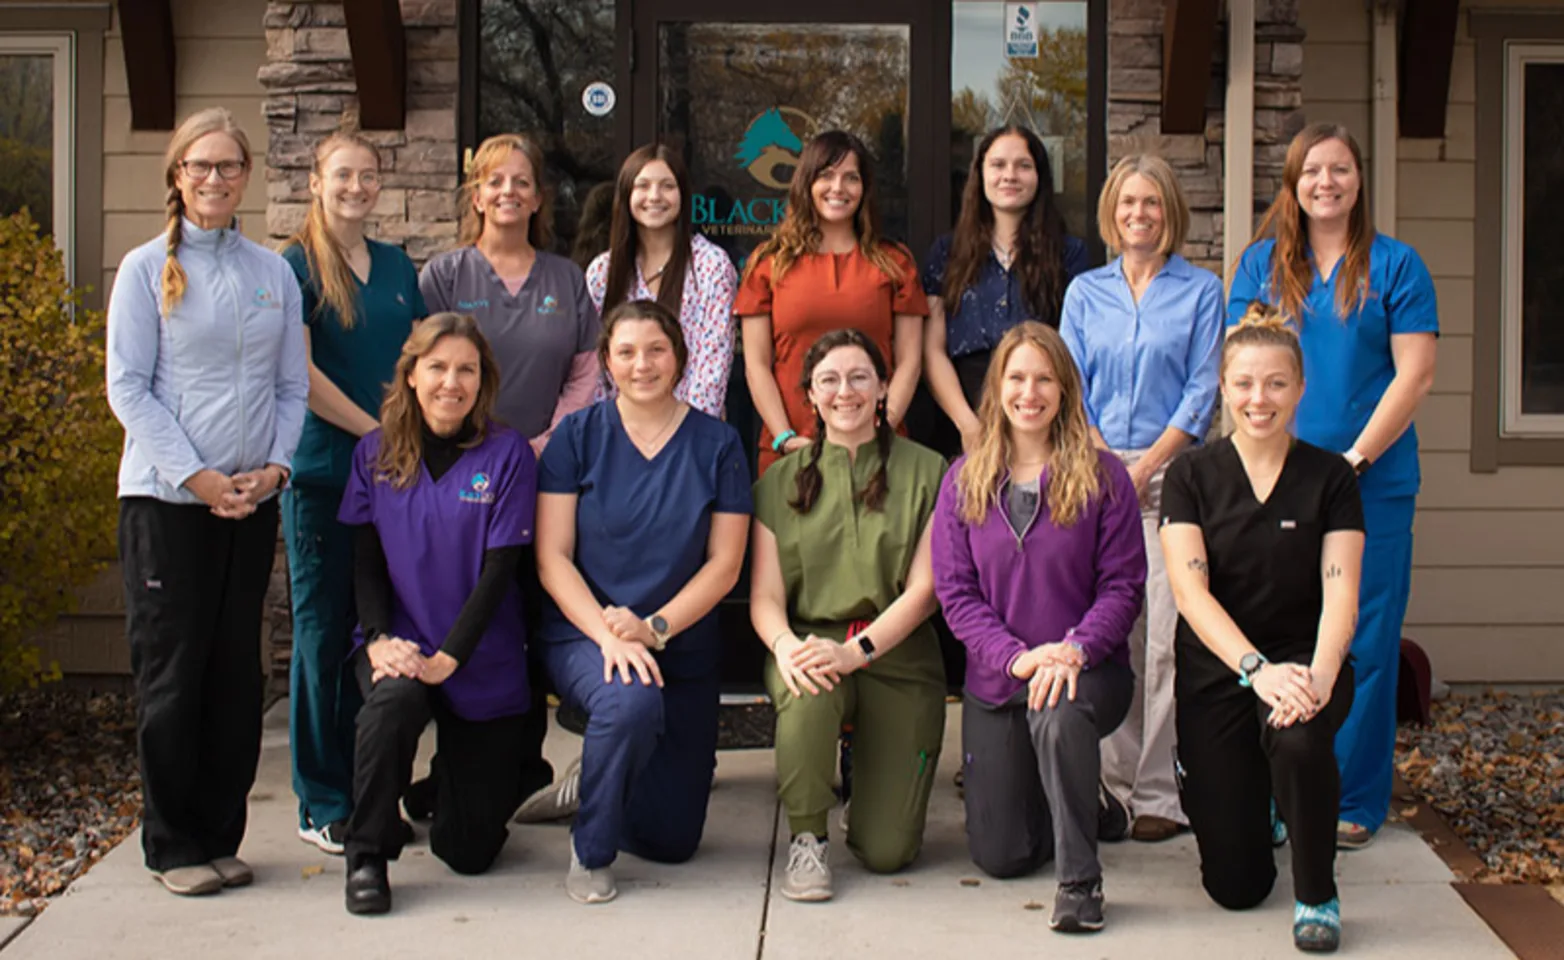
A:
[589,886]
[235,872]
[196,880]
[1113,816]
[418,799]
[846,812]
[1317,929]
[327,838]
[808,876]
[1278,826]
[1352,836]
[558,800]
[1078,907]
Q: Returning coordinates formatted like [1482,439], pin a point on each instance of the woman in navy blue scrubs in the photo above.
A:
[1364,308]
[643,515]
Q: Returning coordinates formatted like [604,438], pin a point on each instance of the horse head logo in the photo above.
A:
[772,143]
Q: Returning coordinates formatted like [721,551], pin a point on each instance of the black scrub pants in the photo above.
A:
[1233,762]
[477,782]
[195,586]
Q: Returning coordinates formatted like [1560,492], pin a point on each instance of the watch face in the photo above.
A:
[1250,663]
[659,625]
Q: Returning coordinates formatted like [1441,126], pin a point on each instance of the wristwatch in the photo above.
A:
[659,628]
[1248,666]
[1357,461]
[867,646]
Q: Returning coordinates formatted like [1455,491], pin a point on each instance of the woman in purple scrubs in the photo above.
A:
[442,497]
[643,514]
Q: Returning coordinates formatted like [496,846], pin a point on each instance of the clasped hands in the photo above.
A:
[1294,692]
[814,663]
[235,497]
[1051,670]
[628,648]
[396,657]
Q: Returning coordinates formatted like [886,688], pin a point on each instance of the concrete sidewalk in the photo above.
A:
[1397,901]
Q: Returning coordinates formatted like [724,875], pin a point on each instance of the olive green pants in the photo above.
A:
[896,707]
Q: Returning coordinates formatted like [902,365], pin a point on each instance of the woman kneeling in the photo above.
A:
[443,500]
[1263,535]
[1041,568]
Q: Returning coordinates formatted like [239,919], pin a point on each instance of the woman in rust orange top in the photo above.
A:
[826,268]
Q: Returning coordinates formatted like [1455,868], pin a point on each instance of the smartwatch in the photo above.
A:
[1358,461]
[867,646]
[659,628]
[1248,666]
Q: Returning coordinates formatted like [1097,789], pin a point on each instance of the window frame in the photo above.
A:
[60,47]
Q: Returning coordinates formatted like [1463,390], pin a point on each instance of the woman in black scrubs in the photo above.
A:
[1263,536]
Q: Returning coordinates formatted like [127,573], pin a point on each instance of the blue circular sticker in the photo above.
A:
[598,98]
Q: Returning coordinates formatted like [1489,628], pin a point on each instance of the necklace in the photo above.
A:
[1005,255]
[648,278]
[652,445]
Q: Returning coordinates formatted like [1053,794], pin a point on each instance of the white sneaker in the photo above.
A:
[558,800]
[808,876]
[589,886]
[328,838]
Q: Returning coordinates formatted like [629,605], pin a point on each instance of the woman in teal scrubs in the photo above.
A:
[1364,307]
[360,300]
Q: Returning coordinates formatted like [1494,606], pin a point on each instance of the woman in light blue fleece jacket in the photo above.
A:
[207,372]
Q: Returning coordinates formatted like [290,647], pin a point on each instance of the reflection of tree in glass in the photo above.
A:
[27,137]
[535,57]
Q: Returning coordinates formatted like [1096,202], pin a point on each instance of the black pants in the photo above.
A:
[477,782]
[195,586]
[1232,763]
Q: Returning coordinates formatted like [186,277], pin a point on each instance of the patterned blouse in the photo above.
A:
[705,314]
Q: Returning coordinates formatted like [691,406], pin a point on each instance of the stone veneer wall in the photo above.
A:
[310,91]
[1135,29]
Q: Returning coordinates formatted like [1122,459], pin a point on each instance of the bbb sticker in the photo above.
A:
[598,99]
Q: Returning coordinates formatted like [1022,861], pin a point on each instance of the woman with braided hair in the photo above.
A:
[207,372]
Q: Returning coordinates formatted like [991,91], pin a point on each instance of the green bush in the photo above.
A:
[59,447]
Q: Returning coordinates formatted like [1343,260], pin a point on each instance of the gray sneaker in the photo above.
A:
[808,876]
[558,800]
[1078,907]
[589,886]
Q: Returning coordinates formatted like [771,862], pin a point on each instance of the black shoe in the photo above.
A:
[369,889]
[409,836]
[418,799]
[1078,907]
[1113,817]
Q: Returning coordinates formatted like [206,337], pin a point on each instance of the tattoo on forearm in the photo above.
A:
[1198,565]
[1332,572]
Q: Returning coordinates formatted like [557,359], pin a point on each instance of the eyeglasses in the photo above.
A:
[862,381]
[199,170]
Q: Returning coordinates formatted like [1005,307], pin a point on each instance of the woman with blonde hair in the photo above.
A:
[1040,569]
[442,498]
[1146,330]
[207,372]
[360,301]
[1264,541]
[1364,308]
[826,267]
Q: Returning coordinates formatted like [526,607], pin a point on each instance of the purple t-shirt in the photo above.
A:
[435,534]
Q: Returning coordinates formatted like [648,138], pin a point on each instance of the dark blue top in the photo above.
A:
[642,525]
[359,360]
[994,302]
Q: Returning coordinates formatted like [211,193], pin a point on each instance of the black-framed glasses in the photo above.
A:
[199,170]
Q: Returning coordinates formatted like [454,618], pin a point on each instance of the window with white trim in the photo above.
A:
[38,133]
[1532,273]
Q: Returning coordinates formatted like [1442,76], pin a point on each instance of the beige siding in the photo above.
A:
[220,48]
[1488,555]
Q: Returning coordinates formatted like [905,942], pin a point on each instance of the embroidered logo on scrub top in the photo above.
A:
[263,298]
[478,491]
[471,304]
[1289,524]
[550,304]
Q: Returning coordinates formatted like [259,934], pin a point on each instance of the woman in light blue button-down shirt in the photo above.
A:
[1146,331]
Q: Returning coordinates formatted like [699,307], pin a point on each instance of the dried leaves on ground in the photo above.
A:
[1492,764]
[69,789]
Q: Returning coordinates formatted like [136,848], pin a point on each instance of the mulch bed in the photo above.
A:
[1492,765]
[69,789]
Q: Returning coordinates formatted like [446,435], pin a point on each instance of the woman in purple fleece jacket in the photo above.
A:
[1040,565]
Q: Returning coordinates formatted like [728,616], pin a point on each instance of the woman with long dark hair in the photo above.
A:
[826,267]
[1364,307]
[654,255]
[1008,260]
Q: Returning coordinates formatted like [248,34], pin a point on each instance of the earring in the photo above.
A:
[880,414]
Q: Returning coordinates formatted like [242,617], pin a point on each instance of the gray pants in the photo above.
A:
[1032,777]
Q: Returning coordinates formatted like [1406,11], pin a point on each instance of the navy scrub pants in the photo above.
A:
[323,697]
[195,585]
[648,756]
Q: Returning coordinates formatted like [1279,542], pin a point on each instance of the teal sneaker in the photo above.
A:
[1278,827]
[1317,928]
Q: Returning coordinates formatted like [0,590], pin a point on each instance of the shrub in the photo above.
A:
[59,447]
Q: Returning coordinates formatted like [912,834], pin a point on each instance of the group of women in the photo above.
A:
[503,474]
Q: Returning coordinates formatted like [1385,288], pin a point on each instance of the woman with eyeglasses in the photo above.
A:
[208,373]
[841,594]
[360,301]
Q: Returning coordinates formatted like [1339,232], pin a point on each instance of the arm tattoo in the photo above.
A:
[1198,565]
[1332,572]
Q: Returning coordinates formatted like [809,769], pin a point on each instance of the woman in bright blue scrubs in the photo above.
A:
[643,515]
[1365,310]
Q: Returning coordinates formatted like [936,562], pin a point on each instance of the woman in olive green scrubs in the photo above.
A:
[842,590]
